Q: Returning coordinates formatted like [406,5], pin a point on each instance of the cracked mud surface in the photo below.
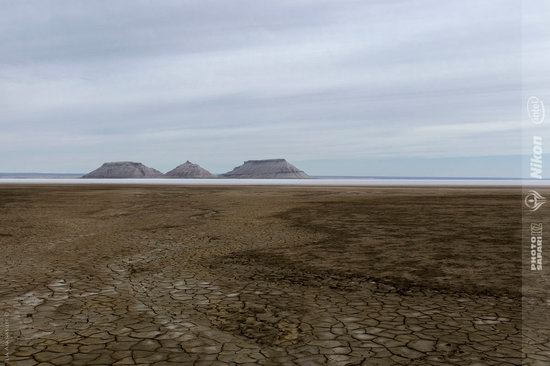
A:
[101,275]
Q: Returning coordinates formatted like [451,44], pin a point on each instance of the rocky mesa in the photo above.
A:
[266,169]
[124,169]
[189,170]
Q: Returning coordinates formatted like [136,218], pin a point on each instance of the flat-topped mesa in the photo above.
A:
[124,169]
[266,169]
[189,170]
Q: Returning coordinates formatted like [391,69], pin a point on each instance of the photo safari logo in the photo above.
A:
[536,246]
[534,200]
[535,110]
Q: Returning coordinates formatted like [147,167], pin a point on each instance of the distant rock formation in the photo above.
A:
[189,170]
[267,169]
[124,169]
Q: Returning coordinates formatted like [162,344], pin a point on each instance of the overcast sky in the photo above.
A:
[329,85]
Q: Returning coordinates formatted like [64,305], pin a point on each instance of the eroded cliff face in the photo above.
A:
[268,169]
[124,169]
[189,170]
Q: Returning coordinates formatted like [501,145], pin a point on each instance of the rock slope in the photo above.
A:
[189,170]
[266,169]
[124,169]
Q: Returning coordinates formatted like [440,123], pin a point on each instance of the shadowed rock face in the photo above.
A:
[189,170]
[124,169]
[268,169]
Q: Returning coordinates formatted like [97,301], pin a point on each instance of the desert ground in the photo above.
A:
[130,275]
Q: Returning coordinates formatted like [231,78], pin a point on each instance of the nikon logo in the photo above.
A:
[536,158]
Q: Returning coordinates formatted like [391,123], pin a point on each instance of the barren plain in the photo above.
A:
[130,275]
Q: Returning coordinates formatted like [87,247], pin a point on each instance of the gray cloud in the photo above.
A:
[220,82]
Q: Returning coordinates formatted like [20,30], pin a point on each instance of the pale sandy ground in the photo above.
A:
[105,275]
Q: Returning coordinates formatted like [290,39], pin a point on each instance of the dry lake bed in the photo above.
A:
[169,275]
